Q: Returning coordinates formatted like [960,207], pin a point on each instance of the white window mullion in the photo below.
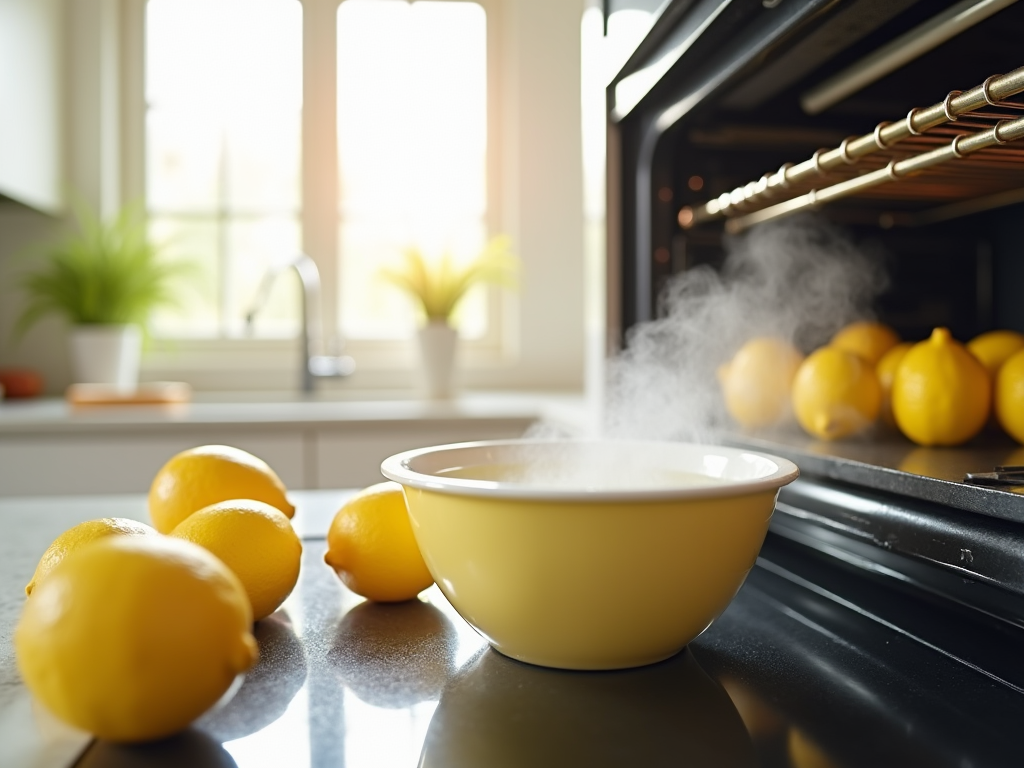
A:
[133,102]
[320,150]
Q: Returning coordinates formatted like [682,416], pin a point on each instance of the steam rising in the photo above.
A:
[800,280]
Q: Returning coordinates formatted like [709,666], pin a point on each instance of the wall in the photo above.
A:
[44,347]
[83,68]
[540,201]
[30,92]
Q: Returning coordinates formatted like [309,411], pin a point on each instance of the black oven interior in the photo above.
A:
[875,530]
[734,103]
[734,90]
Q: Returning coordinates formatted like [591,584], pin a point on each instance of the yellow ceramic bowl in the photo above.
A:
[589,555]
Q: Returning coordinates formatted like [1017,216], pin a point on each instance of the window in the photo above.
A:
[224,111]
[285,169]
[412,147]
[223,126]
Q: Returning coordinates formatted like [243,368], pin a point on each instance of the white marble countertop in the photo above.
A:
[54,415]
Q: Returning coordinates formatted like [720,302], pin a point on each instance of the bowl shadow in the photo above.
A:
[500,713]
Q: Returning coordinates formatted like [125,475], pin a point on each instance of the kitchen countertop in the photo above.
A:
[54,415]
[797,672]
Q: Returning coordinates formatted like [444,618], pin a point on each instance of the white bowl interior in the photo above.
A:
[524,468]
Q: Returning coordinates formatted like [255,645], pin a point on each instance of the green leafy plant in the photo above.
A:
[438,286]
[106,273]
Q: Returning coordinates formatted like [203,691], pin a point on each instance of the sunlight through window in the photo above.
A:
[223,131]
[412,144]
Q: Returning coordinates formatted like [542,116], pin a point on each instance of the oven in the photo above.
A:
[884,622]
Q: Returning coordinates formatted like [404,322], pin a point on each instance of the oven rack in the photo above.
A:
[970,126]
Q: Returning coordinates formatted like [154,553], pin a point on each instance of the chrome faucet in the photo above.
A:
[314,366]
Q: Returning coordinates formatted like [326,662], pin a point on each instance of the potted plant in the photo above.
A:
[438,286]
[105,279]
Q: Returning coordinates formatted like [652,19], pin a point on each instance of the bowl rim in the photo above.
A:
[397,468]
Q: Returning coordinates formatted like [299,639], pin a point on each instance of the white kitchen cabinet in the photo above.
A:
[75,464]
[30,102]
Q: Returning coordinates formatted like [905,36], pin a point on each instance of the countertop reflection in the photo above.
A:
[785,678]
[345,682]
[502,713]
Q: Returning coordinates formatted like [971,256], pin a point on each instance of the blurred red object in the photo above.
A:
[20,382]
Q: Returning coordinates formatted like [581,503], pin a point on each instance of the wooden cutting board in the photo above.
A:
[152,393]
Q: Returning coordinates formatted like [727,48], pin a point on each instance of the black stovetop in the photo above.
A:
[868,672]
[886,461]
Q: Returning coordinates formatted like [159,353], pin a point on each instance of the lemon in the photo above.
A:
[202,476]
[370,545]
[1009,399]
[995,348]
[805,753]
[941,394]
[866,338]
[835,393]
[254,540]
[756,382]
[132,637]
[886,372]
[74,538]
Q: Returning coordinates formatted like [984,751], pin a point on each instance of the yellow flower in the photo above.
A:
[439,287]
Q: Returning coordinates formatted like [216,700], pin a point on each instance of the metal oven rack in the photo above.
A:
[970,127]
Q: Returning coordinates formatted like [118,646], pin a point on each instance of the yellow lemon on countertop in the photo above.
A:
[75,538]
[133,637]
[836,394]
[202,476]
[371,547]
[886,372]
[995,348]
[867,338]
[941,394]
[756,382]
[256,541]
[1009,399]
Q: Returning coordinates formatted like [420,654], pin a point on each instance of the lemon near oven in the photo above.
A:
[75,538]
[202,476]
[867,338]
[836,394]
[994,348]
[256,541]
[132,637]
[371,546]
[942,394]
[756,382]
[886,372]
[1009,397]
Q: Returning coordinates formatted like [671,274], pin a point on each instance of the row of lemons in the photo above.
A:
[130,632]
[937,392]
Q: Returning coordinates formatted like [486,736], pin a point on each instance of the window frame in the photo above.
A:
[388,361]
[534,194]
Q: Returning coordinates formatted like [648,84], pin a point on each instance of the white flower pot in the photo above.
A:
[438,342]
[106,354]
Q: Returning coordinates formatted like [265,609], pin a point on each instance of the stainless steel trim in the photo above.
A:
[900,51]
